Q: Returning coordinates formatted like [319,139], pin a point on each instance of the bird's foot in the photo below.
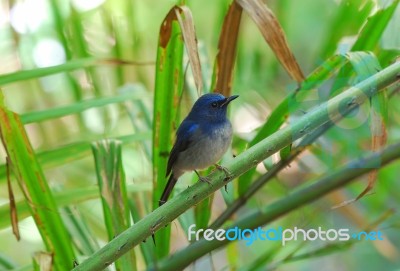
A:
[228,174]
[203,179]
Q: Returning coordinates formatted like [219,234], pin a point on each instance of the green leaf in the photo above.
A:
[78,107]
[373,29]
[347,21]
[114,198]
[84,239]
[68,66]
[29,174]
[168,89]
[40,72]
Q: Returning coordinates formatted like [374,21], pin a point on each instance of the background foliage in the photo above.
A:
[76,75]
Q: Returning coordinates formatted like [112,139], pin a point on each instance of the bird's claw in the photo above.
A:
[205,179]
[228,174]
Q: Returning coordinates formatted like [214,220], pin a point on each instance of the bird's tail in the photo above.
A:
[168,189]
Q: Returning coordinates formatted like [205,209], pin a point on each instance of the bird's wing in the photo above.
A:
[183,138]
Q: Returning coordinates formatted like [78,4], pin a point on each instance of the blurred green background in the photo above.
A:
[45,33]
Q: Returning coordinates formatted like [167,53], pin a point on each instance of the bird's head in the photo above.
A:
[211,107]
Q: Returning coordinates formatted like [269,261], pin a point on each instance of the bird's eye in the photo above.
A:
[214,104]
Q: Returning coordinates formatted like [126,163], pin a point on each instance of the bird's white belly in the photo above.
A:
[206,151]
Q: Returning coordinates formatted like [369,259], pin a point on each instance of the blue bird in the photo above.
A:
[201,140]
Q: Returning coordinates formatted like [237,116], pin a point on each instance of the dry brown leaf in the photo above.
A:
[350,211]
[13,207]
[184,17]
[273,34]
[378,140]
[189,36]
[225,60]
[166,28]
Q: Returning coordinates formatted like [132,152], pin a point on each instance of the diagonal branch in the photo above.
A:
[332,110]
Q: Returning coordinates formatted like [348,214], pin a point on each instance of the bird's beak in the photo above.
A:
[228,100]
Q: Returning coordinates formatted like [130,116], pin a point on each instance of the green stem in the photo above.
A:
[162,216]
